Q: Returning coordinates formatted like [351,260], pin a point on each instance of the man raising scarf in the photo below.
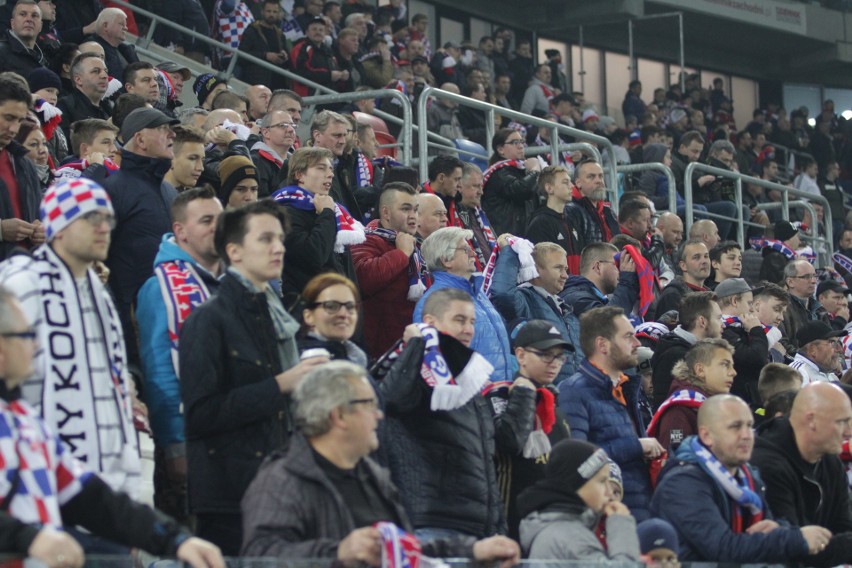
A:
[322,230]
[715,500]
[390,270]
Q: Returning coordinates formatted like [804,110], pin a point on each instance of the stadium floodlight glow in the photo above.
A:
[847,114]
[812,122]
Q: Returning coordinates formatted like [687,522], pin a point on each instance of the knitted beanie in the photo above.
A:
[784,230]
[575,462]
[204,85]
[66,201]
[43,78]
[657,533]
[233,170]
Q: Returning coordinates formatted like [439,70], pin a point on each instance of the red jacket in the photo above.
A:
[678,422]
[382,272]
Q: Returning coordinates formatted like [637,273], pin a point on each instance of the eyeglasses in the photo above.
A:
[29,334]
[286,125]
[807,276]
[547,358]
[515,142]
[333,306]
[469,251]
[371,403]
[97,218]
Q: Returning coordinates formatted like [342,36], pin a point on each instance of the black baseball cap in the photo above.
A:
[830,285]
[540,334]
[816,330]
[143,118]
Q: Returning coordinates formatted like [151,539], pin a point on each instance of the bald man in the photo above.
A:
[805,480]
[715,519]
[670,227]
[431,215]
[705,230]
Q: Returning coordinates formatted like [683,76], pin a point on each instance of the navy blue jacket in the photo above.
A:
[594,415]
[142,204]
[524,303]
[582,295]
[700,511]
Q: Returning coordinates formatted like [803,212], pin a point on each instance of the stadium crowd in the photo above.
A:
[339,360]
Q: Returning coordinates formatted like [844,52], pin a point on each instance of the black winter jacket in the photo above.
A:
[29,189]
[14,56]
[310,251]
[292,509]
[804,494]
[670,349]
[76,106]
[751,353]
[117,58]
[548,226]
[235,412]
[442,462]
[509,199]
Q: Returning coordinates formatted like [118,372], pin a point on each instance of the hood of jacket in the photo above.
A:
[537,521]
[582,283]
[654,153]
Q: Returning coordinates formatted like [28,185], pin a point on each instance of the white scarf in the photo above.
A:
[61,387]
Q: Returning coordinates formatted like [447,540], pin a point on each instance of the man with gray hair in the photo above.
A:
[111,33]
[278,135]
[452,262]
[800,280]
[321,496]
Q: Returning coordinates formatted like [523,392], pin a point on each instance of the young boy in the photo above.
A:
[774,379]
[93,144]
[528,425]
[561,511]
[188,163]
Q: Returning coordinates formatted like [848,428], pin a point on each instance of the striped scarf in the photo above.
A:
[760,243]
[773,334]
[363,170]
[486,175]
[349,231]
[182,289]
[418,274]
[448,392]
[524,250]
[684,397]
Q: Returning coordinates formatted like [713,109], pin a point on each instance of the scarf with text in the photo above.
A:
[73,170]
[486,175]
[349,230]
[363,170]
[524,249]
[418,275]
[183,290]
[685,397]
[448,392]
[478,216]
[740,489]
[842,261]
[399,548]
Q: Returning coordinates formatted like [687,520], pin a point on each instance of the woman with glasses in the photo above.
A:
[510,184]
[330,316]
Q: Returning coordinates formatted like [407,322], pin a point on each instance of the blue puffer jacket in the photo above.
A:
[582,295]
[594,415]
[490,338]
[524,303]
[162,389]
[700,511]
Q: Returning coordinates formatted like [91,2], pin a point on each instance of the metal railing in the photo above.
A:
[407,123]
[825,252]
[490,112]
[738,179]
[655,166]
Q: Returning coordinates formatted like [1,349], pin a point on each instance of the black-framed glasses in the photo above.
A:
[370,403]
[333,306]
[29,334]
[516,142]
[548,358]
[97,218]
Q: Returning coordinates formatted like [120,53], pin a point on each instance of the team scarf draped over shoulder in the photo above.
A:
[448,392]
[740,489]
[760,243]
[646,276]
[524,250]
[685,397]
[349,230]
[183,290]
[486,175]
[418,274]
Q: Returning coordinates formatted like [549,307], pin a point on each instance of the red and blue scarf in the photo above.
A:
[349,230]
[685,397]
[523,248]
[418,275]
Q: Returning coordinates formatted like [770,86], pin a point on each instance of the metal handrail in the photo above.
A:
[739,178]
[375,94]
[655,166]
[564,147]
[492,110]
